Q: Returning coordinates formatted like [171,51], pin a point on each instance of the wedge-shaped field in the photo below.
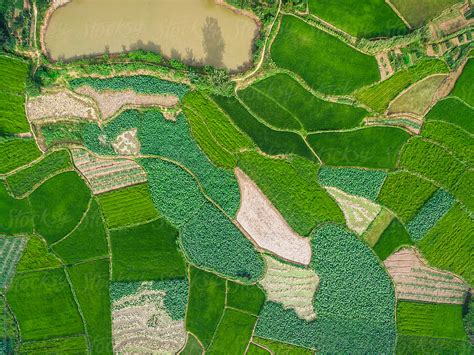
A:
[379,95]
[265,225]
[36,256]
[44,306]
[55,212]
[367,18]
[418,97]
[213,130]
[358,211]
[464,87]
[11,249]
[143,84]
[360,182]
[141,322]
[146,252]
[392,238]
[90,282]
[110,102]
[405,193]
[17,152]
[87,241]
[127,206]
[370,147]
[373,233]
[193,347]
[431,320]
[448,245]
[416,281]
[453,110]
[431,212]
[283,103]
[409,344]
[270,141]
[322,60]
[417,13]
[431,161]
[292,187]
[206,304]
[25,180]
[233,334]
[107,174]
[62,104]
[292,286]
[13,74]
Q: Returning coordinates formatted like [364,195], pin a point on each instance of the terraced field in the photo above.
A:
[317,199]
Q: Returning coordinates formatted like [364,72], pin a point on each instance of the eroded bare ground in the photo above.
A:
[110,102]
[266,226]
[385,67]
[107,174]
[416,281]
[60,104]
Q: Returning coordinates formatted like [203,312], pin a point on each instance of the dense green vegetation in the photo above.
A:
[13,74]
[31,295]
[127,206]
[15,215]
[56,213]
[322,60]
[405,193]
[146,252]
[432,320]
[464,88]
[87,241]
[213,130]
[453,111]
[27,179]
[464,189]
[283,103]
[206,304]
[392,239]
[292,187]
[360,182]
[379,95]
[447,244]
[91,285]
[140,83]
[17,152]
[367,18]
[233,333]
[408,344]
[268,140]
[430,160]
[370,147]
[212,241]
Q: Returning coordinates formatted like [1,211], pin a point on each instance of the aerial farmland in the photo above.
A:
[236,177]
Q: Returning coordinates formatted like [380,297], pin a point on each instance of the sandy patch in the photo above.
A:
[292,286]
[385,67]
[107,174]
[141,324]
[416,281]
[110,102]
[59,105]
[127,143]
[266,226]
[358,211]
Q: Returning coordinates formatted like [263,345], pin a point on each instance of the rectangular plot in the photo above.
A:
[11,249]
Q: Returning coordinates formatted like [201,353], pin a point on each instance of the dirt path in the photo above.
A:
[398,14]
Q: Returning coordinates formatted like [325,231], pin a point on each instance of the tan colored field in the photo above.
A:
[110,102]
[107,174]
[358,211]
[127,143]
[416,281]
[266,226]
[419,97]
[292,286]
[141,324]
[60,104]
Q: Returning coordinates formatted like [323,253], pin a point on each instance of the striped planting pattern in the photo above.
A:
[10,252]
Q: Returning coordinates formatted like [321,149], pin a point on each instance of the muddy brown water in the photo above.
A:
[195,31]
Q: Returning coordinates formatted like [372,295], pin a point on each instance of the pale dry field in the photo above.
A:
[416,281]
[127,143]
[266,226]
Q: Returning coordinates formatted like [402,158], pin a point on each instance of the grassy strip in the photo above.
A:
[74,344]
[377,227]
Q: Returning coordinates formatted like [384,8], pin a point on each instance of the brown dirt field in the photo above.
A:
[416,281]
[110,102]
[385,67]
[266,226]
